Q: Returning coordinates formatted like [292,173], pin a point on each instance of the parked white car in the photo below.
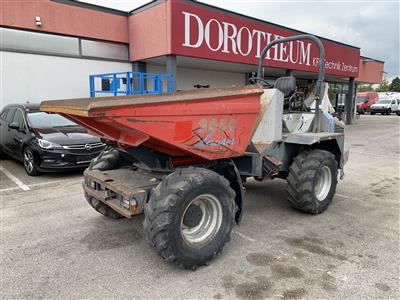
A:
[386,106]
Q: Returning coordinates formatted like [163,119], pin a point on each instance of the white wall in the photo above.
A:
[34,78]
[187,77]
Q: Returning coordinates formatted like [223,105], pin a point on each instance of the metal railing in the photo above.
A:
[130,83]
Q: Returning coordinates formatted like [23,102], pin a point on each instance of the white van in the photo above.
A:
[389,102]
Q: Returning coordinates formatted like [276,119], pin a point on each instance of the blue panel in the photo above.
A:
[130,83]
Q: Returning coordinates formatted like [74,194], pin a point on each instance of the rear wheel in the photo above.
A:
[190,216]
[30,162]
[372,113]
[312,181]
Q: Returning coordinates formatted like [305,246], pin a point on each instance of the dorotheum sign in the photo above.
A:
[203,32]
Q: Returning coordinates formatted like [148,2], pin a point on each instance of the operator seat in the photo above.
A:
[287,85]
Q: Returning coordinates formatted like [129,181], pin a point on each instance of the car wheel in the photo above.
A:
[3,155]
[372,113]
[389,111]
[29,162]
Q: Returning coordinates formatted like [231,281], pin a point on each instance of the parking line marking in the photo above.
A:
[10,189]
[14,179]
[244,236]
[38,184]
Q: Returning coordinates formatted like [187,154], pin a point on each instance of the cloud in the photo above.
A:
[371,25]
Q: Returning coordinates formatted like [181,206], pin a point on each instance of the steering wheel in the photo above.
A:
[292,104]
[262,80]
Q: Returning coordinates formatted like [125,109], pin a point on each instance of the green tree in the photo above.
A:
[395,85]
[384,86]
[365,88]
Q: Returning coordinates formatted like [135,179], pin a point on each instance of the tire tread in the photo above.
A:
[300,181]
[160,209]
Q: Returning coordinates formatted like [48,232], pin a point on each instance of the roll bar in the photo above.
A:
[321,74]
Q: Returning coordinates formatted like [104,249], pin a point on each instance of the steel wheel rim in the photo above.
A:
[209,224]
[28,161]
[323,183]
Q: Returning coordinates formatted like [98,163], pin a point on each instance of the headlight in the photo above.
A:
[47,145]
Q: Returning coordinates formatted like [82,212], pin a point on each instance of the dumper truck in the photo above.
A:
[182,159]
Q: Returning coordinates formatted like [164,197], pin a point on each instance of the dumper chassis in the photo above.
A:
[182,159]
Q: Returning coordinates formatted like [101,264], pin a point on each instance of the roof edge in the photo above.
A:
[92,7]
[145,6]
[370,58]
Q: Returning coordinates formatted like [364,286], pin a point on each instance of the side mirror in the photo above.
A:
[14,125]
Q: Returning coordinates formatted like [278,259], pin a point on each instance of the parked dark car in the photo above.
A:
[45,142]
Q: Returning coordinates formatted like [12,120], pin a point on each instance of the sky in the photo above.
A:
[371,25]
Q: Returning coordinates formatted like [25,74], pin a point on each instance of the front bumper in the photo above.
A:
[124,190]
[379,109]
[53,160]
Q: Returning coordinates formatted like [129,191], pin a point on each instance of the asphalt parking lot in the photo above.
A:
[55,246]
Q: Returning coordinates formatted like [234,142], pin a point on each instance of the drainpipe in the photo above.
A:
[349,101]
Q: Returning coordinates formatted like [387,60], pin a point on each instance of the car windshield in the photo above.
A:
[361,99]
[44,120]
[383,102]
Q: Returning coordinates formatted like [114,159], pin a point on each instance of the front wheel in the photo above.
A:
[312,181]
[190,216]
[30,165]
[389,111]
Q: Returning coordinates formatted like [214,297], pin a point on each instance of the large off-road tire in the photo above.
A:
[312,181]
[190,216]
[101,208]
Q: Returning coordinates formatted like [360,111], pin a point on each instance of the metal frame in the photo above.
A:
[321,74]
[130,78]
